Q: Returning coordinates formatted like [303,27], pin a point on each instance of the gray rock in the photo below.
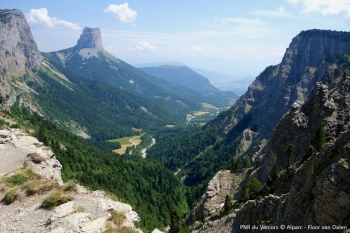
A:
[90,38]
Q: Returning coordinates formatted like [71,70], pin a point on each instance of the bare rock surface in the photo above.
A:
[89,211]
[224,183]
[90,38]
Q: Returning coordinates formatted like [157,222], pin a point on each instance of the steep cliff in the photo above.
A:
[312,185]
[274,91]
[18,52]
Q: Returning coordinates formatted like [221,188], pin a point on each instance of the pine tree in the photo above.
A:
[319,139]
[177,224]
[344,75]
[227,205]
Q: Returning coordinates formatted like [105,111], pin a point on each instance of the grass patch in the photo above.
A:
[136,130]
[17,179]
[122,141]
[31,175]
[210,106]
[11,195]
[55,199]
[170,126]
[117,218]
[200,113]
[39,187]
[115,224]
[70,186]
[125,142]
[36,158]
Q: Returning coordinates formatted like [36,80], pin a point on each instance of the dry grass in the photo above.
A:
[200,113]
[209,106]
[80,209]
[70,186]
[11,195]
[36,158]
[115,224]
[40,187]
[122,150]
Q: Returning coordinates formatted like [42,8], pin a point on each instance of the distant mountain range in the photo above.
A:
[187,77]
[222,82]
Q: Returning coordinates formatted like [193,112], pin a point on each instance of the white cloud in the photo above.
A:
[122,12]
[41,16]
[145,47]
[280,13]
[325,7]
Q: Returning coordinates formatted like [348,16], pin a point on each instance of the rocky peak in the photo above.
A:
[18,49]
[90,38]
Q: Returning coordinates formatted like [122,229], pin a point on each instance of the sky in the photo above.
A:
[236,38]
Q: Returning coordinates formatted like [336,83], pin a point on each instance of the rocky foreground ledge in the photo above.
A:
[88,211]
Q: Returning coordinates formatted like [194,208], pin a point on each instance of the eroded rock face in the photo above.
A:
[18,49]
[90,38]
[224,183]
[274,91]
[316,188]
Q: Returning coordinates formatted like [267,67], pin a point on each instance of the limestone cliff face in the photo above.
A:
[90,38]
[18,51]
[319,182]
[314,190]
[274,91]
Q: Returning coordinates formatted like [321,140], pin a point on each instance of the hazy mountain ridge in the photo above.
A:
[187,77]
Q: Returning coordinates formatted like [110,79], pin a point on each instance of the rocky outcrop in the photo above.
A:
[314,190]
[18,51]
[90,38]
[89,211]
[224,183]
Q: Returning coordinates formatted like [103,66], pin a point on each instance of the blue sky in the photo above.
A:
[238,38]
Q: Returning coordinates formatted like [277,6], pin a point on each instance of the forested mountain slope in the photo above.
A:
[86,107]
[43,98]
[89,60]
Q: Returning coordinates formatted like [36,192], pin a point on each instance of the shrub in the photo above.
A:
[55,199]
[17,179]
[117,218]
[251,189]
[10,196]
[31,175]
